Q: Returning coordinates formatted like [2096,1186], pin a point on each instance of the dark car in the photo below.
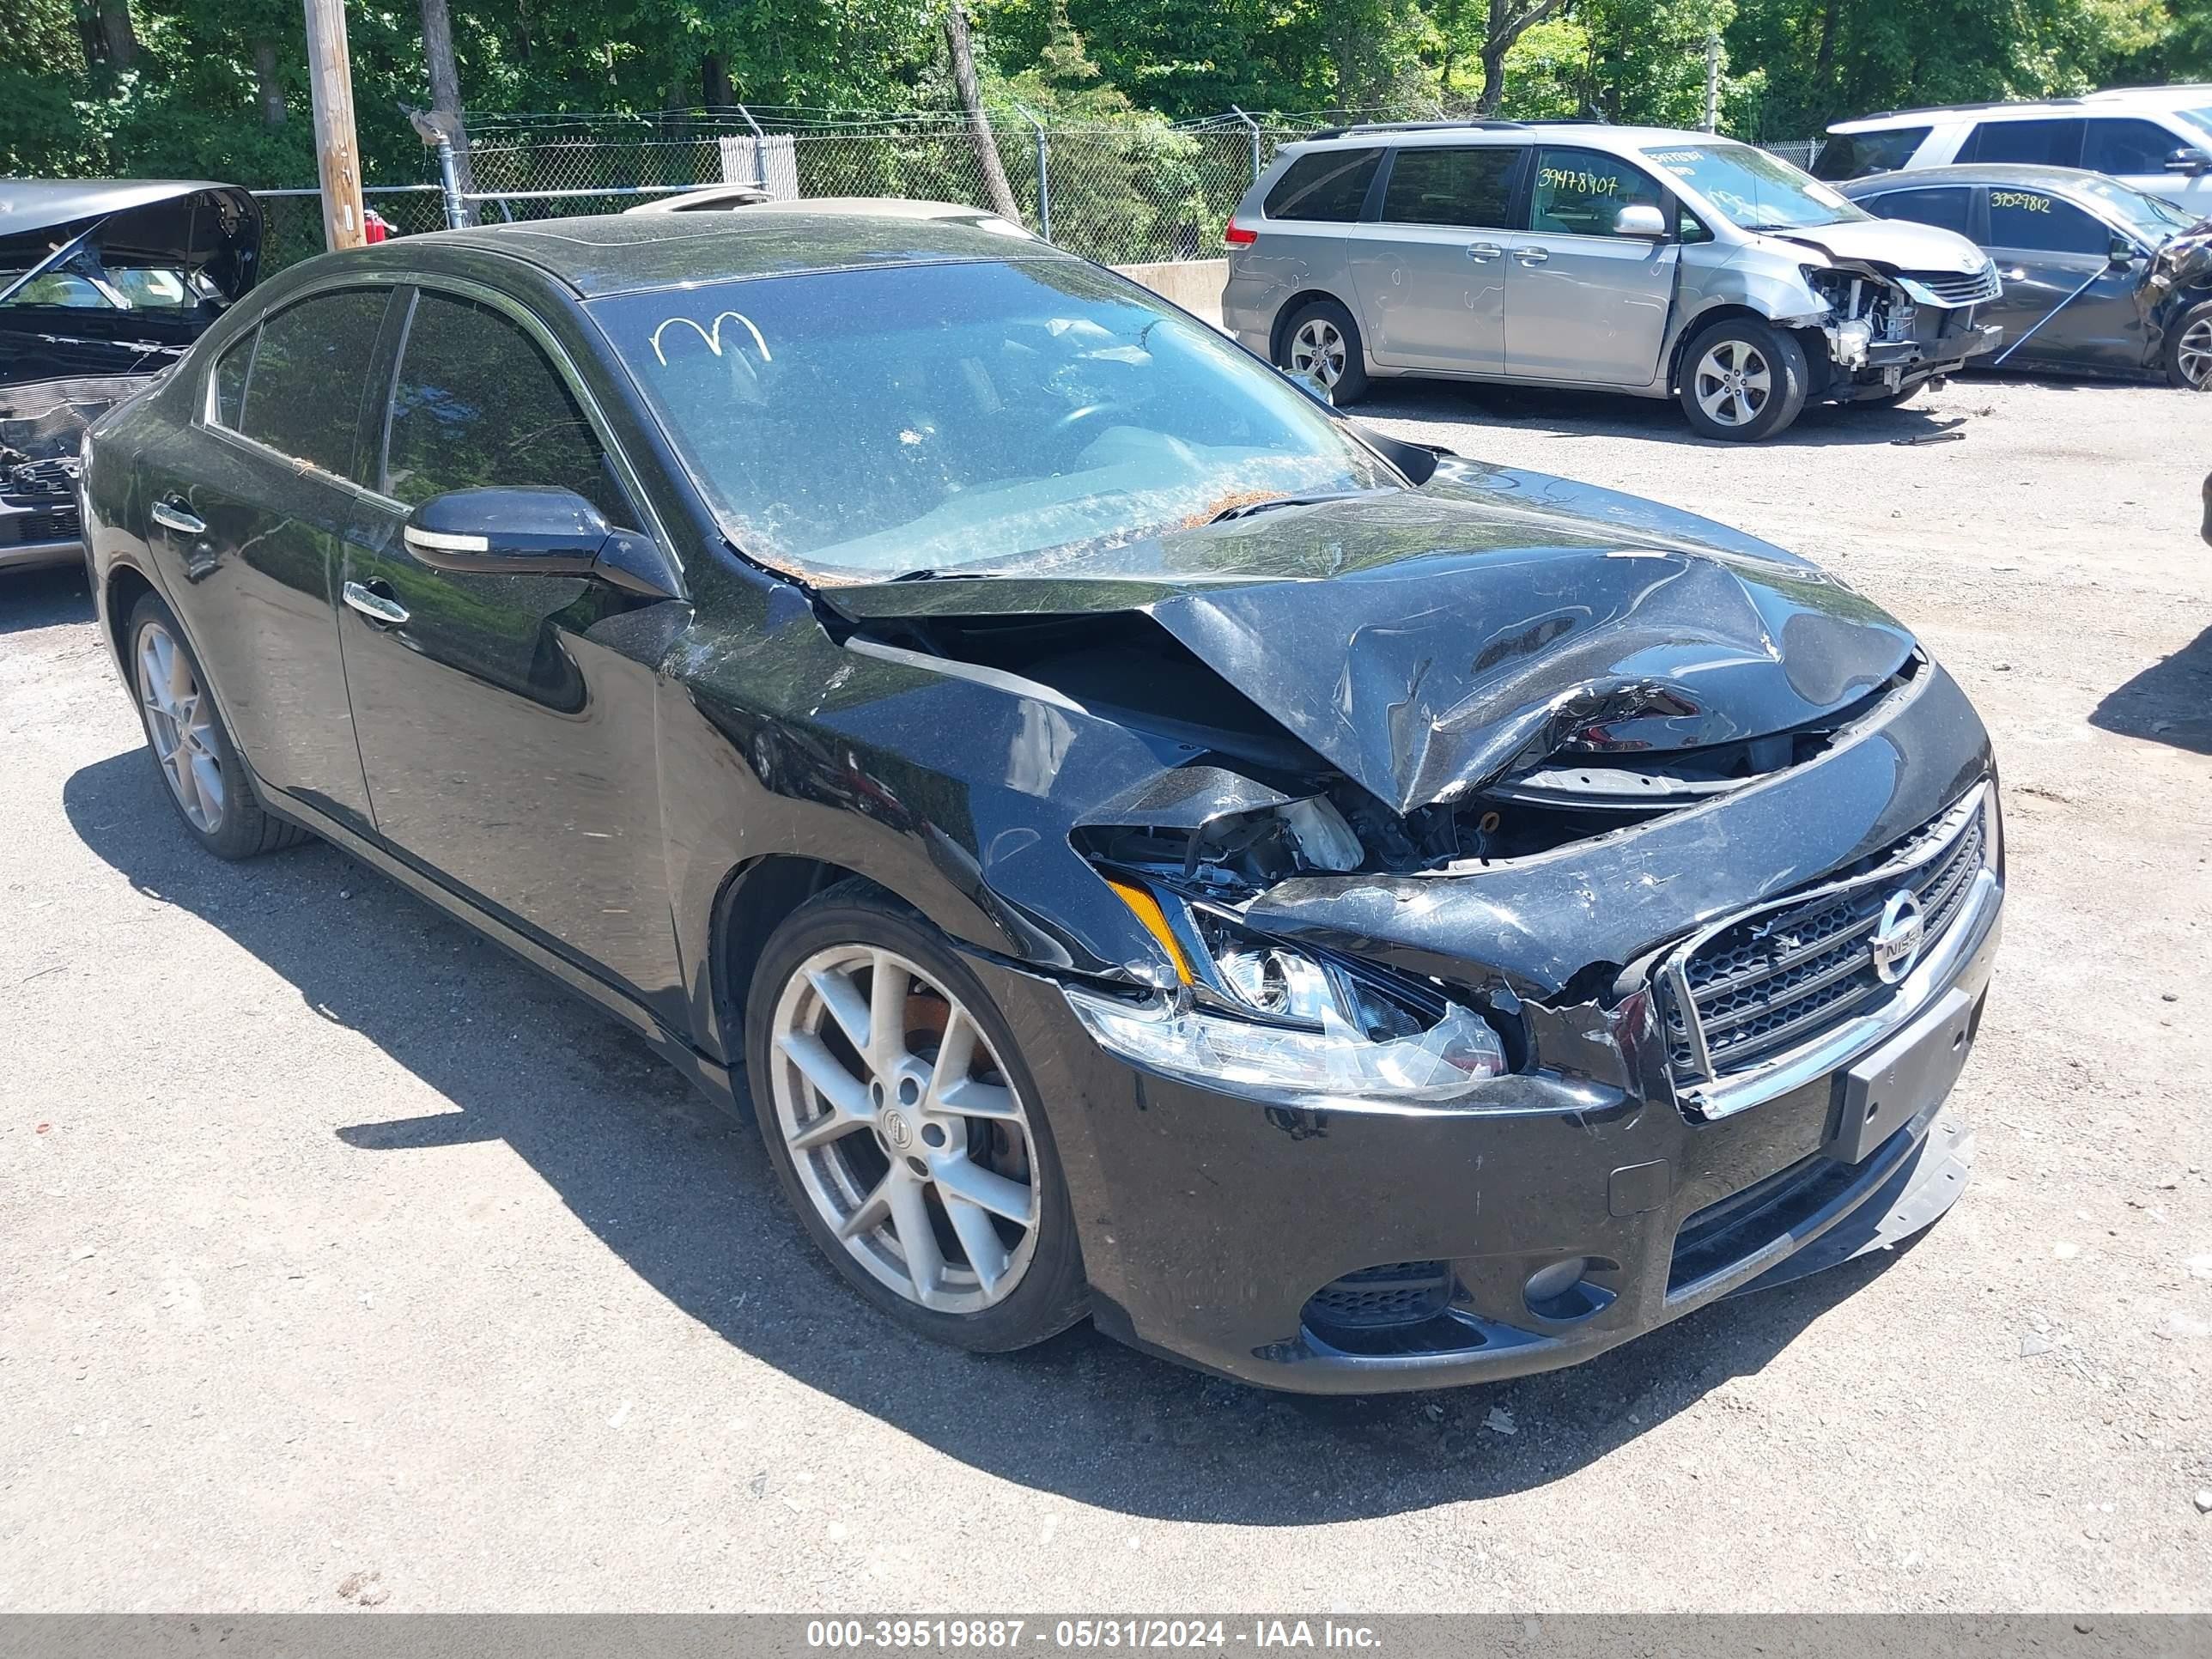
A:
[1341,915]
[2099,278]
[103,283]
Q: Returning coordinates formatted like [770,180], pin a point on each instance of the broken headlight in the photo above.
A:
[1268,1020]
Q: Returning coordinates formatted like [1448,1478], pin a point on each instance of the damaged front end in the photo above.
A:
[1416,809]
[1449,874]
[104,286]
[1886,329]
[41,461]
[2180,278]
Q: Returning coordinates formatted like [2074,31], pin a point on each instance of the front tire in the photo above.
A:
[1322,340]
[201,772]
[1742,381]
[906,1128]
[2189,348]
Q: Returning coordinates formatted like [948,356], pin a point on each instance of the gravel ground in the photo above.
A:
[348,1263]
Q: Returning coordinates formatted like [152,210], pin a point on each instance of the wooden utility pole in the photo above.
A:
[979,124]
[337,157]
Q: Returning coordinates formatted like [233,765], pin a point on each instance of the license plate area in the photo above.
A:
[1884,1089]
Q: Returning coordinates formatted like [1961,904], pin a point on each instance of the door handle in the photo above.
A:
[174,515]
[386,612]
[1482,251]
[1532,256]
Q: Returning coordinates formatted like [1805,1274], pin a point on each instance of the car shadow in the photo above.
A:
[688,1201]
[31,600]
[2170,701]
[1609,415]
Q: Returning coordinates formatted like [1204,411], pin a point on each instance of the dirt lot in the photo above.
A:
[349,1263]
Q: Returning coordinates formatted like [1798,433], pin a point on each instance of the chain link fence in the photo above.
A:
[1121,194]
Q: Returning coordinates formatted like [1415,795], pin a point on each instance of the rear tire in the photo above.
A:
[1321,339]
[2189,348]
[1742,381]
[201,771]
[919,1199]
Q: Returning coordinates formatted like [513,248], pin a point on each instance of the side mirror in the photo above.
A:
[2122,252]
[532,532]
[1313,386]
[2188,159]
[1640,219]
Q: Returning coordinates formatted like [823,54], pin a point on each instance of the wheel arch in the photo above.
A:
[1298,302]
[753,902]
[1728,311]
[124,586]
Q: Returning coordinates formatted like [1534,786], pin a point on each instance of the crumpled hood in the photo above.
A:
[1894,244]
[1421,642]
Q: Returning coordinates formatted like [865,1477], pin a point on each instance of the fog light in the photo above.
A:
[1550,1283]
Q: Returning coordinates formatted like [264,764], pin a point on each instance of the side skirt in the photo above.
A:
[711,1077]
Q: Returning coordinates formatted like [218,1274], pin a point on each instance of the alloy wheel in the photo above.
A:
[906,1133]
[1732,383]
[180,722]
[1317,348]
[2194,351]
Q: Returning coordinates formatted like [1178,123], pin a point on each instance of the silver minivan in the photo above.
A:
[1643,260]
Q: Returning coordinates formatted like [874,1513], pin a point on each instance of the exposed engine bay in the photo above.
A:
[1255,805]
[41,433]
[1881,320]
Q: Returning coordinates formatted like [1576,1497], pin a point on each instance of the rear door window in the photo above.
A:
[230,381]
[1581,193]
[310,370]
[1471,187]
[1329,186]
[1855,154]
[477,405]
[2119,145]
[2041,143]
[2038,222]
[1947,208]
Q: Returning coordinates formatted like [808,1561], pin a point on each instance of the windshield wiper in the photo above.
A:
[928,575]
[1246,509]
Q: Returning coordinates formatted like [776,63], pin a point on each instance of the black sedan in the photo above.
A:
[2099,278]
[1148,848]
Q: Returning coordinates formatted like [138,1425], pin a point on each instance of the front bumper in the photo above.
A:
[1892,364]
[1208,1222]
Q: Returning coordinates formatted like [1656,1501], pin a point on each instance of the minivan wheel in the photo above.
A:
[2188,348]
[1322,340]
[906,1128]
[191,746]
[1742,381]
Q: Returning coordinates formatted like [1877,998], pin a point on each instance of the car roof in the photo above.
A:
[1604,134]
[621,253]
[2025,174]
[2180,93]
[2159,98]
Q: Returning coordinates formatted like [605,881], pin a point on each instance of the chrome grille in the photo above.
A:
[1948,287]
[1790,971]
